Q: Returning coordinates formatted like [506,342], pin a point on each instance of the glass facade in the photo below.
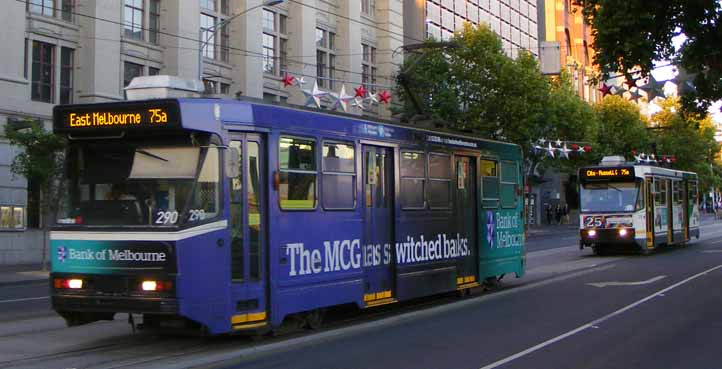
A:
[514,20]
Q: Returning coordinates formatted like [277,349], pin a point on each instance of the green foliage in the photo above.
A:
[690,139]
[476,87]
[621,129]
[40,160]
[633,33]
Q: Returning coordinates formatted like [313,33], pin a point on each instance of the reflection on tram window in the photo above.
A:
[609,197]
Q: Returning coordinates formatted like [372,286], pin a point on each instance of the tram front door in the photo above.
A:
[248,240]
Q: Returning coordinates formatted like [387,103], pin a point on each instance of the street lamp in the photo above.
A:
[212,31]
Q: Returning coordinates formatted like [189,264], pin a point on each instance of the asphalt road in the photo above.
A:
[571,310]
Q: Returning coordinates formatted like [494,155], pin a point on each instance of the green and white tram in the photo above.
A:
[643,206]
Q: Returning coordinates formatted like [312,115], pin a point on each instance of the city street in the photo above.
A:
[571,310]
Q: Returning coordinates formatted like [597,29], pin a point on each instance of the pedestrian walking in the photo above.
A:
[565,213]
[549,213]
[558,214]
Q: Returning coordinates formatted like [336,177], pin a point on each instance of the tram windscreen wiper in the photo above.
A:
[151,155]
[608,185]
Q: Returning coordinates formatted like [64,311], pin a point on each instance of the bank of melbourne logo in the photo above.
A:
[490,228]
[62,254]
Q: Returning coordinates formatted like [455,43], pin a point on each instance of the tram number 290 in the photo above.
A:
[171,217]
[593,221]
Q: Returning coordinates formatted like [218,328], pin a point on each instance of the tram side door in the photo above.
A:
[378,238]
[649,184]
[685,210]
[248,233]
[670,210]
[466,215]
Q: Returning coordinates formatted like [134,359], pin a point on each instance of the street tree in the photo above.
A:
[474,86]
[621,129]
[631,34]
[40,161]
[690,139]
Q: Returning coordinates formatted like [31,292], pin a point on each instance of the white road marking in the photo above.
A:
[595,322]
[639,283]
[26,299]
[711,251]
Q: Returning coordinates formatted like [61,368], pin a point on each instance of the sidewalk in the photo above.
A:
[21,274]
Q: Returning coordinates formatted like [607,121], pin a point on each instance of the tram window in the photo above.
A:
[297,162]
[339,176]
[413,178]
[205,197]
[490,183]
[509,183]
[660,194]
[692,193]
[439,188]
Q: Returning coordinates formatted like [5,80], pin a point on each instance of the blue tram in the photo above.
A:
[236,215]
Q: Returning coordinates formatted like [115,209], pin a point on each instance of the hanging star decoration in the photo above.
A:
[605,89]
[288,80]
[565,151]
[358,103]
[314,95]
[653,88]
[341,99]
[559,142]
[581,149]
[542,141]
[300,82]
[385,97]
[550,150]
[634,95]
[372,99]
[684,81]
[631,83]
[360,92]
[619,90]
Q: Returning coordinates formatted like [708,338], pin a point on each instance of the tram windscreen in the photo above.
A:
[605,197]
[140,186]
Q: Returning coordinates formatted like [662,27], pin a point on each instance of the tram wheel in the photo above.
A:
[314,319]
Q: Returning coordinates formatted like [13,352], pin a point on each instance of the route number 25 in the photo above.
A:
[593,222]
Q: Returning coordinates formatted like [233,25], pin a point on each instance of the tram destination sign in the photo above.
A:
[146,115]
[607,173]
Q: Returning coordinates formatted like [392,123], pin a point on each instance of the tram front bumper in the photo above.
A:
[596,236]
[114,304]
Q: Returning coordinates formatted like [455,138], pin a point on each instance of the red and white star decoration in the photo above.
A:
[361,99]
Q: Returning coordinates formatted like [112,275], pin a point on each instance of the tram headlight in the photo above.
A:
[623,232]
[592,233]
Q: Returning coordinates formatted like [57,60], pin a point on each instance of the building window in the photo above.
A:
[12,218]
[133,19]
[368,68]
[367,7]
[43,7]
[269,54]
[209,5]
[210,86]
[66,75]
[325,58]
[43,72]
[269,20]
[283,49]
[153,71]
[153,21]
[208,23]
[225,9]
[275,43]
[210,18]
[225,89]
[130,71]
